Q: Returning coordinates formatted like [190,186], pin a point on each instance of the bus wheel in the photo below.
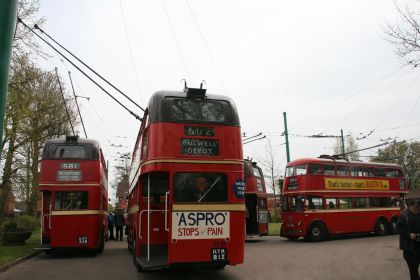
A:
[381,227]
[292,237]
[393,225]
[317,232]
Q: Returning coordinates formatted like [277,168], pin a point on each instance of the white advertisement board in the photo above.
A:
[200,225]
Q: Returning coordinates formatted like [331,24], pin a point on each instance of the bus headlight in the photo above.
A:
[299,223]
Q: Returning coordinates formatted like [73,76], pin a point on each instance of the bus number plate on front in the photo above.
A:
[218,254]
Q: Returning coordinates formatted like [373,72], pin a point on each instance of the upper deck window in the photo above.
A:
[328,169]
[300,169]
[362,171]
[343,170]
[200,187]
[314,168]
[70,152]
[198,110]
[391,172]
[63,151]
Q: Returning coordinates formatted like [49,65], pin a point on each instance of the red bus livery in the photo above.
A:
[255,200]
[74,188]
[186,197]
[325,196]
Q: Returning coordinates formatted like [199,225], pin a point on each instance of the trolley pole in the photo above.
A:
[343,151]
[7,29]
[286,135]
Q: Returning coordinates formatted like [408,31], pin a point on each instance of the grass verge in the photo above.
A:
[11,253]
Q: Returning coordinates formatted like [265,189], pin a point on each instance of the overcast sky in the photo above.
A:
[325,63]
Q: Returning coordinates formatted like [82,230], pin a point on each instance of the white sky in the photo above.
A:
[311,59]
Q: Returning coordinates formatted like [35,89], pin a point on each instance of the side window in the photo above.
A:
[361,202]
[314,168]
[328,169]
[379,172]
[331,203]
[159,184]
[144,144]
[391,172]
[300,169]
[289,171]
[342,170]
[314,202]
[345,203]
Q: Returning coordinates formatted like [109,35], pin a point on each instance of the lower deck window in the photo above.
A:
[69,200]
[200,187]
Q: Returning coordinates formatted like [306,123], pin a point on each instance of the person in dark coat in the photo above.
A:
[111,225]
[408,227]
[119,224]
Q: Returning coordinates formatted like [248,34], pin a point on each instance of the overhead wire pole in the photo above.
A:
[86,75]
[64,101]
[7,29]
[286,135]
[77,105]
[343,150]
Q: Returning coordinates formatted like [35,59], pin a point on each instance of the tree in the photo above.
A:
[350,146]
[405,35]
[271,166]
[35,112]
[405,154]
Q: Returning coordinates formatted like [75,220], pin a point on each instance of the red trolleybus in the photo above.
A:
[74,188]
[325,196]
[255,200]
[186,196]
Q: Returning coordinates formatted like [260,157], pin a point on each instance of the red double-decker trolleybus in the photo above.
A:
[186,198]
[255,200]
[73,182]
[324,196]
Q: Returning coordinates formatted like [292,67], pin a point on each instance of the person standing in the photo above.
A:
[111,225]
[119,224]
[408,227]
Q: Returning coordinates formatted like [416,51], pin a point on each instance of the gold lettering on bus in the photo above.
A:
[355,184]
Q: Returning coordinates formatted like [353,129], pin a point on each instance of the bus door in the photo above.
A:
[153,220]
[46,217]
[251,214]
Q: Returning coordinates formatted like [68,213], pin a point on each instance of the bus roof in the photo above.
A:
[156,106]
[340,161]
[76,142]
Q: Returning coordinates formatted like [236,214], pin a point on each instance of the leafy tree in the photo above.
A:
[405,154]
[35,112]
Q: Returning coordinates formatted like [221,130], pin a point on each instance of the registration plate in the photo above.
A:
[218,254]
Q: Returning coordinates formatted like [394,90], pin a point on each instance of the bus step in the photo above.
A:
[43,247]
[154,263]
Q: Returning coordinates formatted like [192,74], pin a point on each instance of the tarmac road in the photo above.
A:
[367,257]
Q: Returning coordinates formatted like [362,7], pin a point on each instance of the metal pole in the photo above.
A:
[148,217]
[7,30]
[77,105]
[286,135]
[343,151]
[64,101]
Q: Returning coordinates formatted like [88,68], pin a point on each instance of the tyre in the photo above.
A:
[381,227]
[317,232]
[101,245]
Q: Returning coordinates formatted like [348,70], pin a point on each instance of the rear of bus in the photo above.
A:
[193,173]
[74,195]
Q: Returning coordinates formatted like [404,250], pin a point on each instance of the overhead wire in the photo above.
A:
[80,61]
[176,40]
[388,86]
[78,68]
[334,105]
[206,46]
[130,48]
